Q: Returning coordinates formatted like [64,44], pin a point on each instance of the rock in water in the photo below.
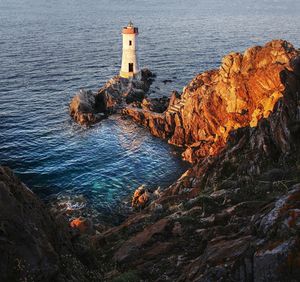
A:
[87,107]
[83,108]
[141,197]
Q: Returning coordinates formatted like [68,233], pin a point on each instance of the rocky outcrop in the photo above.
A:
[140,197]
[87,107]
[29,237]
[34,245]
[83,108]
[242,91]
[143,196]
[234,216]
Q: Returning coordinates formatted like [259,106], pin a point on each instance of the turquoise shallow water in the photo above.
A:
[50,49]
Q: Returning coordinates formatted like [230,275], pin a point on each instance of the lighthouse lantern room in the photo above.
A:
[130,67]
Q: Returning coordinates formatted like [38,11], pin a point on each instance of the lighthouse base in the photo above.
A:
[130,75]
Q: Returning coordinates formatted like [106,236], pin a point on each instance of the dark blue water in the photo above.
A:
[50,49]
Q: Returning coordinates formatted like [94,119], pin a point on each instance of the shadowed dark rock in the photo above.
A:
[34,245]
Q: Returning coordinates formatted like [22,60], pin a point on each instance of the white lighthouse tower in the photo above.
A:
[130,67]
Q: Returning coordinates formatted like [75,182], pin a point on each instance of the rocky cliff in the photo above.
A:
[241,92]
[35,245]
[234,216]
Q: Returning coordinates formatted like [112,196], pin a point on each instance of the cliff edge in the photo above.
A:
[242,91]
[234,216]
[34,244]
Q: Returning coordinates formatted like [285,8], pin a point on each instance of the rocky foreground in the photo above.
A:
[234,216]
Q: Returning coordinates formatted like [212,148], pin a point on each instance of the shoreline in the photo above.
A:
[234,215]
[63,202]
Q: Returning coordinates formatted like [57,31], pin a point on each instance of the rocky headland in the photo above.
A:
[242,91]
[233,216]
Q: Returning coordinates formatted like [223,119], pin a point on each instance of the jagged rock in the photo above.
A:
[141,197]
[158,105]
[35,245]
[82,108]
[275,263]
[148,75]
[87,107]
[133,246]
[234,216]
[244,90]
[31,240]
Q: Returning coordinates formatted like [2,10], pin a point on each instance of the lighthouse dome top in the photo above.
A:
[130,29]
[130,24]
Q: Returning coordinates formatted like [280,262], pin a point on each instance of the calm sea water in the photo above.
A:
[50,49]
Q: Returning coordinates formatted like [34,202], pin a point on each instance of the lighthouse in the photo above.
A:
[130,67]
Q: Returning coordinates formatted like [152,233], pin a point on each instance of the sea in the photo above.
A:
[49,49]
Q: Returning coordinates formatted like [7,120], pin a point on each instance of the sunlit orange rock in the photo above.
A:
[141,197]
[81,224]
[242,91]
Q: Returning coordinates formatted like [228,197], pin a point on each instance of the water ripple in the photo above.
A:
[50,49]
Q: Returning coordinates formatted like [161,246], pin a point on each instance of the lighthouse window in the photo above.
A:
[130,66]
[130,42]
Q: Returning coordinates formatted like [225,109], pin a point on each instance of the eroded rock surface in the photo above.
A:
[34,245]
[87,107]
[234,216]
[242,91]
[83,108]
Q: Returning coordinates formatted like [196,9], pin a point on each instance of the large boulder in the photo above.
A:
[83,108]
